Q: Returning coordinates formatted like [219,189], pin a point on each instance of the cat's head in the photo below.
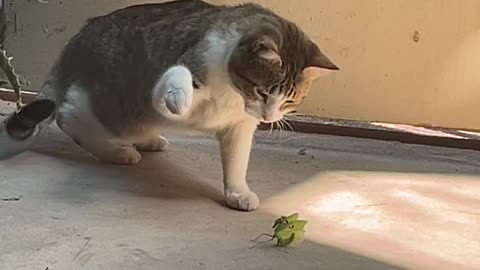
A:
[273,67]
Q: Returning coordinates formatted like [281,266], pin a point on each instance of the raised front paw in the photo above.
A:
[243,201]
[174,91]
[179,99]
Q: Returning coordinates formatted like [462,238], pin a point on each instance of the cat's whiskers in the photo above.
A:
[281,127]
[271,129]
[280,123]
[290,127]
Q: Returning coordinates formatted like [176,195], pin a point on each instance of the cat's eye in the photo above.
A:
[264,96]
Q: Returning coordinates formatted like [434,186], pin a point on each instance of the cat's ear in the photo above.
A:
[318,65]
[266,48]
[263,42]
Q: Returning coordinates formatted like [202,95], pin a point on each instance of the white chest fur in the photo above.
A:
[217,104]
[213,107]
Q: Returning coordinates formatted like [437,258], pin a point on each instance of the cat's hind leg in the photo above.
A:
[75,118]
[173,93]
[154,144]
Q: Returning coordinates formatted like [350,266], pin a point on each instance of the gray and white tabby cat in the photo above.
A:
[183,65]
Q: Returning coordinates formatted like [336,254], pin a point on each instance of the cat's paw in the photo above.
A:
[173,93]
[158,143]
[178,98]
[243,201]
[122,156]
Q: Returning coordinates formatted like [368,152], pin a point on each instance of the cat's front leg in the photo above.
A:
[235,145]
[174,91]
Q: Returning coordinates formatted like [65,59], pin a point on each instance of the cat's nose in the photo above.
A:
[267,119]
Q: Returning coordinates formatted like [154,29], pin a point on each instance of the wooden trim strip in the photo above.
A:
[335,130]
[9,95]
[384,135]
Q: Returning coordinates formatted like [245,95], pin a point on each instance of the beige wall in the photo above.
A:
[389,73]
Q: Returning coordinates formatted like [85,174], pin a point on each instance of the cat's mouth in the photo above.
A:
[270,119]
[263,121]
[264,118]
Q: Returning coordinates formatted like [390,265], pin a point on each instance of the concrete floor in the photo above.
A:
[370,205]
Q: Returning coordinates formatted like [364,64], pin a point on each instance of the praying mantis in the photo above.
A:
[289,232]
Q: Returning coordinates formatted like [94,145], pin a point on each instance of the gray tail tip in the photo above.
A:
[21,124]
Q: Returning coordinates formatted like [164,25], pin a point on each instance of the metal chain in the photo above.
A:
[9,70]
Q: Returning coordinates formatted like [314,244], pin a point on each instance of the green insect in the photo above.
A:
[289,232]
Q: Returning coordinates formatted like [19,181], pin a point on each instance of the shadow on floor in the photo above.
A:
[155,176]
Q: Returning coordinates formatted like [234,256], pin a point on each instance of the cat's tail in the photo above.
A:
[21,127]
[19,130]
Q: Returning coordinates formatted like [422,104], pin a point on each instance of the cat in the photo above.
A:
[182,65]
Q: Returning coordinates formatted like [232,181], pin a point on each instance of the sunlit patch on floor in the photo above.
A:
[364,216]
[435,208]
[421,221]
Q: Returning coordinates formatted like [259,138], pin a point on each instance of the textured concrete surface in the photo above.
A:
[370,205]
